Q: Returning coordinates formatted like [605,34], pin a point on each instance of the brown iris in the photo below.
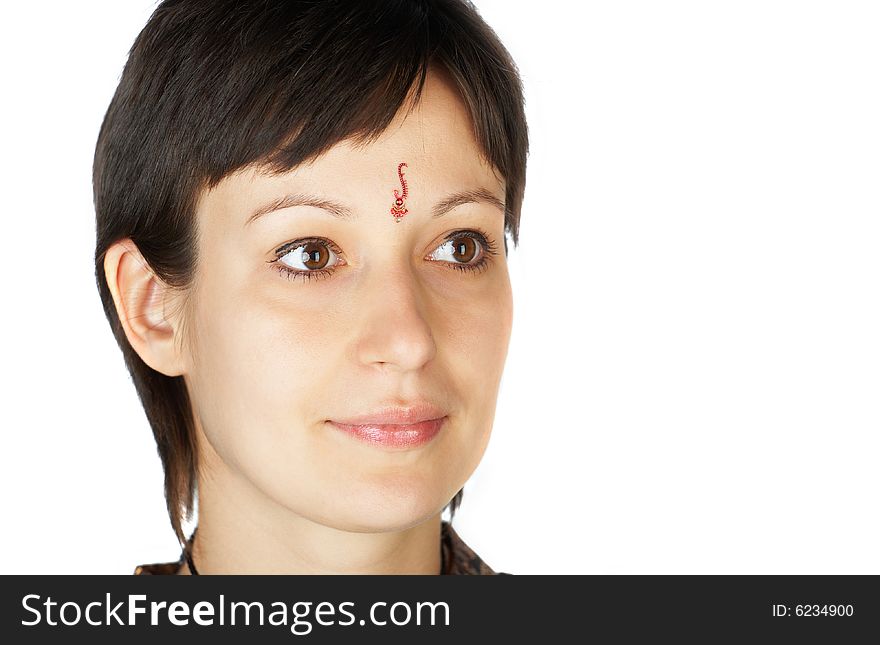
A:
[315,255]
[464,249]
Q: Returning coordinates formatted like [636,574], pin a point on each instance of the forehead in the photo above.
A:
[435,139]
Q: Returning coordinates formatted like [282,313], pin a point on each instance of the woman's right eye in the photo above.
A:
[312,256]
[307,259]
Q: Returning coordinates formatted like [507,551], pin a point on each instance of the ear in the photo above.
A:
[143,304]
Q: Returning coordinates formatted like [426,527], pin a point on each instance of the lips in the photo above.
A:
[395,426]
[397,415]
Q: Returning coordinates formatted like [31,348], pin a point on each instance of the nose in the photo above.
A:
[395,332]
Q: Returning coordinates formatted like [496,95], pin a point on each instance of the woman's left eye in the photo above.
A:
[465,251]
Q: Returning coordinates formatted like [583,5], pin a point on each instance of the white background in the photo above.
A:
[692,384]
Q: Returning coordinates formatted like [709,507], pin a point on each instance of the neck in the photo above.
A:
[240,530]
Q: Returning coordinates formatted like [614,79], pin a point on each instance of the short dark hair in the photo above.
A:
[213,87]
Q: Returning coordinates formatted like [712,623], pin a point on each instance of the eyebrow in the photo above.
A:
[341,211]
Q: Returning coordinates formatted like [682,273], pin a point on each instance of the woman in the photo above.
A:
[302,210]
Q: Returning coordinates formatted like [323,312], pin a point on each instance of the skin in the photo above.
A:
[267,359]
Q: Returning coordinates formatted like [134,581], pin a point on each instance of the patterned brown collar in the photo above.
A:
[457,557]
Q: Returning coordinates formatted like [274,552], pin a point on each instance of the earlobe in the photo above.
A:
[140,300]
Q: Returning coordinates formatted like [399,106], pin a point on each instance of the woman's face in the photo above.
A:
[375,313]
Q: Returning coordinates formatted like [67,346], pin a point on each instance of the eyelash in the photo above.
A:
[489,250]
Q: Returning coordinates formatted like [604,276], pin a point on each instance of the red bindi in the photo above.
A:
[398,209]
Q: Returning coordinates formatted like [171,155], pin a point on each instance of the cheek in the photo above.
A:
[478,338]
[475,350]
[257,367]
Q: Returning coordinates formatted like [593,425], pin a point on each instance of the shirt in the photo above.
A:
[457,557]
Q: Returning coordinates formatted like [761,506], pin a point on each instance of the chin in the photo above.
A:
[392,504]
